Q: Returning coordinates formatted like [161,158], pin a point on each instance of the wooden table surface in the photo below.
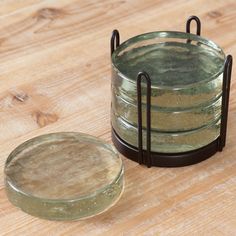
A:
[55,76]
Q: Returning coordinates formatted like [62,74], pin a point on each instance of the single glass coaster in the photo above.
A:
[167,142]
[64,176]
[165,120]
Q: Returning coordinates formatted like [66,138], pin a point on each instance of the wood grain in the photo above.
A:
[55,76]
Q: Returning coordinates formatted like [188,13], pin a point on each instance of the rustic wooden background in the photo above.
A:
[55,76]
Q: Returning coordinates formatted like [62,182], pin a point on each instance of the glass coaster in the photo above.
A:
[64,176]
[167,142]
[165,120]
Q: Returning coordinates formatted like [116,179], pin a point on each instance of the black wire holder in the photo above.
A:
[149,158]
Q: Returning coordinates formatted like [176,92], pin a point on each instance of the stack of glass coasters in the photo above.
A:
[186,74]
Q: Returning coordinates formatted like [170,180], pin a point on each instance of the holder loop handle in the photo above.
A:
[198,22]
[115,40]
[148,160]
[225,100]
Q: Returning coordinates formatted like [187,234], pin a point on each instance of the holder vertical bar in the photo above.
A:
[141,160]
[115,40]
[225,101]
[198,22]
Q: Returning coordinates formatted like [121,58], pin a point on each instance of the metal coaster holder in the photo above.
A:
[149,158]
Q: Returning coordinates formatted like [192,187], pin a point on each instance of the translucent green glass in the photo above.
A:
[186,73]
[165,119]
[167,142]
[64,176]
[185,69]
